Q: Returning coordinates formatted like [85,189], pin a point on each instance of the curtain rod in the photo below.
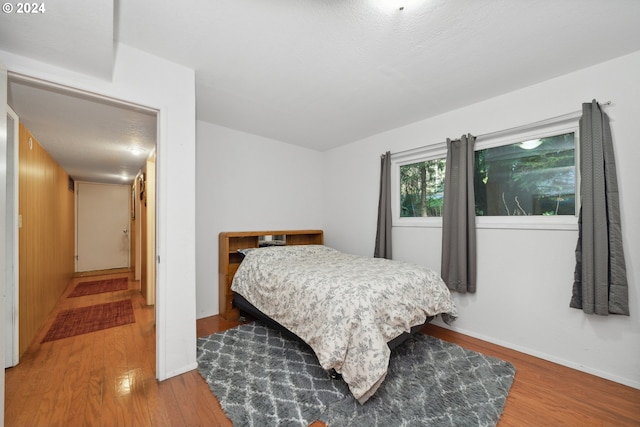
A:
[568,116]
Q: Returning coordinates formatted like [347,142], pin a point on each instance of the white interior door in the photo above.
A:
[102,226]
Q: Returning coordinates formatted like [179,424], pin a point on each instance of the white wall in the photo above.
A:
[244,183]
[525,277]
[170,88]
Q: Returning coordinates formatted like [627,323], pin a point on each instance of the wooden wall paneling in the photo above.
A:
[46,238]
[148,232]
[150,202]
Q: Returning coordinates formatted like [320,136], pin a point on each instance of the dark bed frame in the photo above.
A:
[246,307]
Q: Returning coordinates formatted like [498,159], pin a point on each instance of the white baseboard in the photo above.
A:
[544,356]
[180,371]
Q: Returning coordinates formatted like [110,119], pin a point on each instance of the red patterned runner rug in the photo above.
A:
[78,321]
[99,287]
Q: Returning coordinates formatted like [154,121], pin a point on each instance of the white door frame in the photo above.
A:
[3,260]
[136,79]
[12,331]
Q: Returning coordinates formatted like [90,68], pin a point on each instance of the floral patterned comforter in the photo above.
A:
[346,307]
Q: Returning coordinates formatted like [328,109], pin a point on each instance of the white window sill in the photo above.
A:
[563,222]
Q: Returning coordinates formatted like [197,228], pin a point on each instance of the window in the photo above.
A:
[533,177]
[421,188]
[525,177]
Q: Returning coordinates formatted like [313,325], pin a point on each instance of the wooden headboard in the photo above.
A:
[229,259]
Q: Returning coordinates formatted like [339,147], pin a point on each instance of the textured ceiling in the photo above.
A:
[94,140]
[68,33]
[322,73]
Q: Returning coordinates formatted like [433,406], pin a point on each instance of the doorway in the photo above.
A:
[101,119]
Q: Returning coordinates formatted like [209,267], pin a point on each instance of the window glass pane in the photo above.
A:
[421,188]
[536,177]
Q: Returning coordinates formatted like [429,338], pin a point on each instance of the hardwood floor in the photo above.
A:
[107,378]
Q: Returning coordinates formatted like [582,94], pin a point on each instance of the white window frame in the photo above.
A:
[555,126]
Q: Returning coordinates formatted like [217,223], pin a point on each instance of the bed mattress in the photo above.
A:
[345,307]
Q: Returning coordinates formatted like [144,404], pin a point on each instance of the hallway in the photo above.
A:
[104,378]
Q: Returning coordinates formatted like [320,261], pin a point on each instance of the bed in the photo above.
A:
[341,305]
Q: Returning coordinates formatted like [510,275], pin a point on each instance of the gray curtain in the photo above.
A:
[383,234]
[600,277]
[458,269]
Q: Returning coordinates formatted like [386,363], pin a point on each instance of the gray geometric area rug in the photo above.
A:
[264,378]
